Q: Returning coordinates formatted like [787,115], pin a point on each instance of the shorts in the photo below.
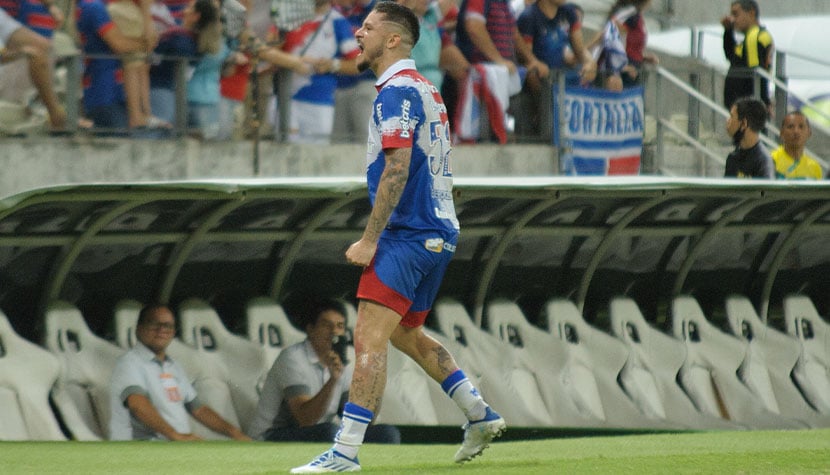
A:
[405,276]
[8,25]
[129,19]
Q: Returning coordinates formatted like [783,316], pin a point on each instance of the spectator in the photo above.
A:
[355,93]
[636,38]
[134,21]
[553,30]
[791,161]
[22,42]
[199,34]
[329,40]
[307,386]
[203,93]
[755,51]
[435,51]
[747,118]
[150,394]
[486,32]
[103,96]
[619,60]
[549,27]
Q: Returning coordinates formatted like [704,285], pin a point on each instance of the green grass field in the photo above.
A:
[788,452]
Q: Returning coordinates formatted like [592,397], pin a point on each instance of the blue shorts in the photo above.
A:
[406,275]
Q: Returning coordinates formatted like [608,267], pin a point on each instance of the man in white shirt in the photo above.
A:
[150,394]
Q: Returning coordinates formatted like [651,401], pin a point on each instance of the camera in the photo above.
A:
[339,344]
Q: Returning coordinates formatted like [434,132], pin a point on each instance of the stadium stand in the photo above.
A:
[27,374]
[240,362]
[812,372]
[81,392]
[649,375]
[595,360]
[770,360]
[709,374]
[569,406]
[505,379]
[211,390]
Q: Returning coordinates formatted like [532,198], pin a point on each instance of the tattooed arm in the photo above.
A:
[391,185]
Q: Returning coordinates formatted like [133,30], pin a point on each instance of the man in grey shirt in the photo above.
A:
[308,384]
[150,394]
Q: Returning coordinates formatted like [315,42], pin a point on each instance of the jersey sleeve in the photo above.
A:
[394,111]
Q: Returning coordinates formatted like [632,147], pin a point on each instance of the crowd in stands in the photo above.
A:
[135,52]
[230,63]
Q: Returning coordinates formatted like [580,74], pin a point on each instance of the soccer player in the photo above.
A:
[408,241]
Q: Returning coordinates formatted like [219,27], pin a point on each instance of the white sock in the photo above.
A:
[462,391]
[353,426]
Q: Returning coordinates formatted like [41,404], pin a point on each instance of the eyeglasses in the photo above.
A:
[161,326]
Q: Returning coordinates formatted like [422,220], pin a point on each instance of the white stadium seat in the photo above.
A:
[211,390]
[771,358]
[240,362]
[594,362]
[409,391]
[812,372]
[649,375]
[269,327]
[547,355]
[27,374]
[406,397]
[81,393]
[709,374]
[505,380]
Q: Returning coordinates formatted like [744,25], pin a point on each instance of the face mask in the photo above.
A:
[739,135]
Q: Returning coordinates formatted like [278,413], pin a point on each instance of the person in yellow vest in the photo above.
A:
[791,162]
[755,51]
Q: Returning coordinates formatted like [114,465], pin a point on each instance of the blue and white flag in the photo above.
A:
[604,131]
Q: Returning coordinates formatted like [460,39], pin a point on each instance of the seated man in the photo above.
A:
[19,42]
[150,394]
[791,162]
[308,385]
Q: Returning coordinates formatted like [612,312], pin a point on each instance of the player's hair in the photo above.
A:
[620,4]
[147,311]
[754,111]
[749,6]
[401,16]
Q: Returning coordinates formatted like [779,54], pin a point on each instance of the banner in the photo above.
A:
[603,130]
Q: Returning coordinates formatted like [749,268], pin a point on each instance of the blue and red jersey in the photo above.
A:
[500,22]
[103,79]
[409,112]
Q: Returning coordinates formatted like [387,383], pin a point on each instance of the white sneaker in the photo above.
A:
[479,434]
[329,461]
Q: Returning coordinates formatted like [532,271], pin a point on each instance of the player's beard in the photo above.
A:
[367,57]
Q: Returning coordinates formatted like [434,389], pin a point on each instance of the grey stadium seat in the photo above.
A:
[27,374]
[595,360]
[709,374]
[240,362]
[770,361]
[812,372]
[81,393]
[505,380]
[649,375]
